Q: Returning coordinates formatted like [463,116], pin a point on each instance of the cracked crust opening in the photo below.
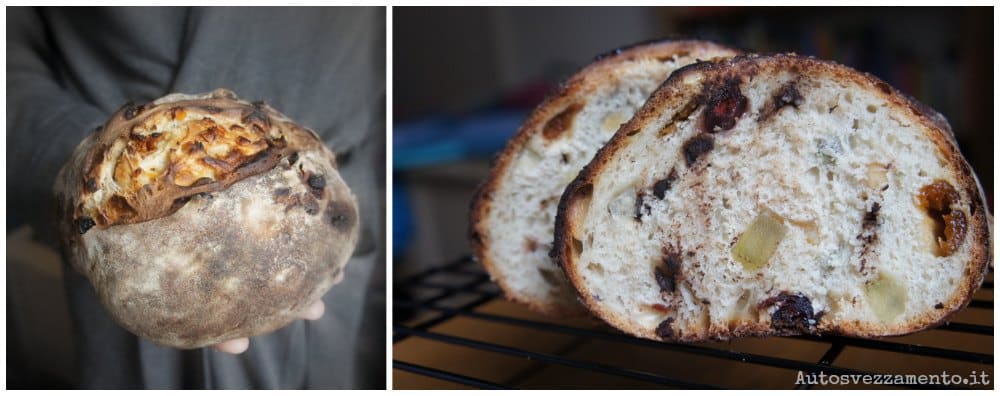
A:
[148,159]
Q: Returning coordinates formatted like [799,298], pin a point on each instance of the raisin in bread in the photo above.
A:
[513,213]
[775,195]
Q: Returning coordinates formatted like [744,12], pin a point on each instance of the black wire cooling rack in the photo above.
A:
[424,302]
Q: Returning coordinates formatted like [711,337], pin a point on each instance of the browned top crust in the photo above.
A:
[560,100]
[578,193]
[147,160]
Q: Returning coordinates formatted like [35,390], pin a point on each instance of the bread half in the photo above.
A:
[513,213]
[775,195]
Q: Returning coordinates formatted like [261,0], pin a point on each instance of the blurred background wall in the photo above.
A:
[464,79]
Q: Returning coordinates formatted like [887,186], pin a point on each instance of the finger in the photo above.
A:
[235,346]
[315,311]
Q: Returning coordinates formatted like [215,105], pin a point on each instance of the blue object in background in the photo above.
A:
[402,219]
[445,139]
[440,140]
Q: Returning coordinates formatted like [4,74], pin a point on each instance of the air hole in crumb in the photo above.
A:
[561,122]
[549,276]
[595,268]
[577,246]
[871,108]
[855,124]
[922,173]
[853,142]
[742,307]
[814,172]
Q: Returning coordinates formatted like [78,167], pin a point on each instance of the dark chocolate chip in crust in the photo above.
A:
[939,306]
[316,184]
[665,329]
[787,95]
[84,224]
[726,104]
[794,313]
[696,147]
[316,181]
[661,187]
[132,110]
[282,192]
[341,215]
[870,219]
[641,207]
[666,281]
[869,234]
[136,136]
[666,272]
[90,185]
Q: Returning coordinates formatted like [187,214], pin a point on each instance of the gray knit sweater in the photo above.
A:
[68,69]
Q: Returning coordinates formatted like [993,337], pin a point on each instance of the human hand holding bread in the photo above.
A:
[239,345]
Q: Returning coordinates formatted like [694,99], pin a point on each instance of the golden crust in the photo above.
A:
[147,157]
[670,94]
[565,96]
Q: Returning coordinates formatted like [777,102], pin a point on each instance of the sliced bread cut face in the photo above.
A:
[775,195]
[513,214]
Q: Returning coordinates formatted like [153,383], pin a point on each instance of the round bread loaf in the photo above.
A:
[203,218]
